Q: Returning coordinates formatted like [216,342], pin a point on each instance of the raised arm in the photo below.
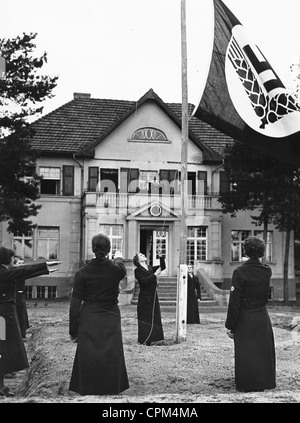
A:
[142,279]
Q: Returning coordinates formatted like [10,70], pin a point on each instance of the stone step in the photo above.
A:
[172,303]
[162,293]
[167,293]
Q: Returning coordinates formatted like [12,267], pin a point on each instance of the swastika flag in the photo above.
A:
[244,97]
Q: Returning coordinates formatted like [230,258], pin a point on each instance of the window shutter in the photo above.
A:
[68,180]
[202,182]
[164,175]
[93,178]
[133,181]
[171,176]
[224,183]
[124,179]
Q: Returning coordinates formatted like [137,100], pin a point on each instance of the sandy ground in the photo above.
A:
[197,370]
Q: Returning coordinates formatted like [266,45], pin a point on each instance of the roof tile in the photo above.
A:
[76,124]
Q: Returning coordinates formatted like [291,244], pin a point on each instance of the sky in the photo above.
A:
[119,49]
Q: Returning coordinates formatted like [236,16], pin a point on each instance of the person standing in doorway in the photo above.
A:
[248,322]
[193,295]
[148,309]
[95,324]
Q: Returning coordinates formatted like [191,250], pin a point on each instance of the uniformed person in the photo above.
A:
[248,322]
[13,355]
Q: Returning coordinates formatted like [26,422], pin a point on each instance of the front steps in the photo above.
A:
[167,294]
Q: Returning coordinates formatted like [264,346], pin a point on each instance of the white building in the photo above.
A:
[114,166]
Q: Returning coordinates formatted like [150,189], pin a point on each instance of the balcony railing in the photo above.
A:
[129,203]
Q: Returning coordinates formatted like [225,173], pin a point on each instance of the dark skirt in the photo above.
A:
[13,355]
[22,313]
[99,365]
[192,309]
[255,363]
[149,320]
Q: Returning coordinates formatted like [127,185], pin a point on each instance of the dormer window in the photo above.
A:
[149,134]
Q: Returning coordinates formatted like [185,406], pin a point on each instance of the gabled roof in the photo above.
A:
[81,124]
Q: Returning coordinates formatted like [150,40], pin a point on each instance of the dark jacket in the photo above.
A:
[95,320]
[8,278]
[147,279]
[97,281]
[193,286]
[148,309]
[249,289]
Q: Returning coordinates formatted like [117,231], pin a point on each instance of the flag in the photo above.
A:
[243,96]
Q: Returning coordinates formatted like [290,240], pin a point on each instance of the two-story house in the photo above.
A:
[114,166]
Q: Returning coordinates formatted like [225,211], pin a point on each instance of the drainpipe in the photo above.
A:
[81,203]
[81,167]
[214,171]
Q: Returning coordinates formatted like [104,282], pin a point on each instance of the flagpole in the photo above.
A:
[181,304]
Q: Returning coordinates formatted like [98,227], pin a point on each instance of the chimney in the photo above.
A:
[81,95]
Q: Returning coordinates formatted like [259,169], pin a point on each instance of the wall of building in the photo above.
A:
[243,222]
[62,212]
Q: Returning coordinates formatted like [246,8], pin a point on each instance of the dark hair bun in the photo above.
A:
[254,247]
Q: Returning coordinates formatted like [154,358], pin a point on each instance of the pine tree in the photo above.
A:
[22,89]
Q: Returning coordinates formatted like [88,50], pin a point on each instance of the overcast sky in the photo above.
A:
[120,49]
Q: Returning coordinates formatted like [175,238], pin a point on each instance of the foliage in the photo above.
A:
[260,182]
[271,187]
[22,89]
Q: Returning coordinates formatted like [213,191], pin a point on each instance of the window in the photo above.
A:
[149,135]
[28,292]
[170,181]
[48,243]
[109,180]
[51,291]
[30,174]
[23,245]
[115,234]
[269,243]
[68,180]
[42,292]
[50,182]
[147,178]
[271,293]
[93,178]
[196,243]
[237,239]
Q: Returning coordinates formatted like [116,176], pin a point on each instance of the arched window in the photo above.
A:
[149,135]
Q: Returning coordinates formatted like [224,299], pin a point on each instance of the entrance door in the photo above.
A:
[160,239]
[150,240]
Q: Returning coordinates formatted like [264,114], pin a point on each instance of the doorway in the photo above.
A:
[152,238]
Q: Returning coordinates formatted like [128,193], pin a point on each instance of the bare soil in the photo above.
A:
[199,369]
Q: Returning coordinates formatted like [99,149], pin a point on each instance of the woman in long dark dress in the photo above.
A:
[193,295]
[148,309]
[13,357]
[248,322]
[95,324]
[21,300]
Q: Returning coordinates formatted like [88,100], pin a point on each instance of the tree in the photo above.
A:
[22,88]
[271,187]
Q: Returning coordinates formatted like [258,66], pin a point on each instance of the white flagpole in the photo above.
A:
[182,273]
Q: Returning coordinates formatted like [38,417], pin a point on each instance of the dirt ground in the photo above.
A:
[197,370]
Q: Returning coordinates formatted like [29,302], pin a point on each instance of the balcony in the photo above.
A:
[126,204]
